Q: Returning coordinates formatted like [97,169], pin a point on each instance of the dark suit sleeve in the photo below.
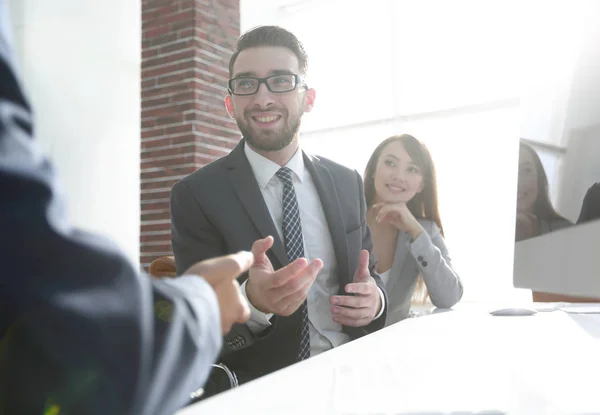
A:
[368,245]
[81,331]
[193,237]
[590,209]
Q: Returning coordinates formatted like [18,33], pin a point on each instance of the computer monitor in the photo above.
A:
[557,231]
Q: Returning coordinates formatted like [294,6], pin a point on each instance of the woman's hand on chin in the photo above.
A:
[399,216]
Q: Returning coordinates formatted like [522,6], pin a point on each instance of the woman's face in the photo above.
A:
[397,177]
[528,190]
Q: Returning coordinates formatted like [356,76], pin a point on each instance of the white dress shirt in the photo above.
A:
[324,332]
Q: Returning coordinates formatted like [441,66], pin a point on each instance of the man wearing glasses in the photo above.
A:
[314,286]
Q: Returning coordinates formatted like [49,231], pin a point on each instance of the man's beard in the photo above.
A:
[268,139]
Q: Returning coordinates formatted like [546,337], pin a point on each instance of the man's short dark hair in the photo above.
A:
[270,36]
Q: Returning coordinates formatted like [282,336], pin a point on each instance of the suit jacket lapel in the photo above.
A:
[246,187]
[333,213]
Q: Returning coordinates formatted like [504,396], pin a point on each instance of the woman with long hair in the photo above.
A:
[408,237]
[535,213]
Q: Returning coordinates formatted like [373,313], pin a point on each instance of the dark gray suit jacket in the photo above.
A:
[590,208]
[81,331]
[219,209]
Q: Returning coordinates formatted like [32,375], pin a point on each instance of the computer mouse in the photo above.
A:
[513,311]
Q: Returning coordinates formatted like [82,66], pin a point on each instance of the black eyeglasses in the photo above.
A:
[277,84]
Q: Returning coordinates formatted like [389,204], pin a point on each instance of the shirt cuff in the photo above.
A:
[382,303]
[259,321]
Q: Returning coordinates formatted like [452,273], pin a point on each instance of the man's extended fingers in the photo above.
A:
[353,301]
[351,322]
[223,268]
[287,305]
[261,246]
[289,295]
[228,267]
[285,274]
[363,260]
[259,249]
[351,316]
[359,288]
[296,289]
[362,271]
[244,260]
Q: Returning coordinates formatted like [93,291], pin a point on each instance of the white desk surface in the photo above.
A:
[462,361]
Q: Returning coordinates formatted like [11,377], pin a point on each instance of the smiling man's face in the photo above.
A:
[269,121]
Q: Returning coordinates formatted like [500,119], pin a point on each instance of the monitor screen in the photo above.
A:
[557,226]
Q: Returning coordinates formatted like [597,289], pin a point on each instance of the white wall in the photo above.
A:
[80,62]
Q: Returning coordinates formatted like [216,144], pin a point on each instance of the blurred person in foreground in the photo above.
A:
[81,332]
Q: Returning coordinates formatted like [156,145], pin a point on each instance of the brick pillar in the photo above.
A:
[186,46]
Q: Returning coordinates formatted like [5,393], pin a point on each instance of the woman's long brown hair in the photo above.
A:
[542,207]
[425,203]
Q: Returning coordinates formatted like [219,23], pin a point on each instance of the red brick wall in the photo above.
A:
[186,45]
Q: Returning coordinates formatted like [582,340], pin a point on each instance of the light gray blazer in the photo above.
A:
[429,256]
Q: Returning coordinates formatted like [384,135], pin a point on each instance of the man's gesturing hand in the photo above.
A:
[359,309]
[221,274]
[279,292]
